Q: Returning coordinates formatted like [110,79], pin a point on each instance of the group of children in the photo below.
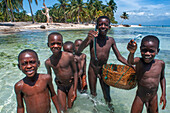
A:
[69,67]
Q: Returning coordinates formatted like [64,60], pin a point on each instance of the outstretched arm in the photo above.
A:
[53,94]
[87,41]
[163,87]
[117,53]
[19,96]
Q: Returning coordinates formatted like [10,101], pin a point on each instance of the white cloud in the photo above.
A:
[167,14]
[136,13]
[29,14]
[143,11]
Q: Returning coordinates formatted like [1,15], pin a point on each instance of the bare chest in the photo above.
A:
[35,89]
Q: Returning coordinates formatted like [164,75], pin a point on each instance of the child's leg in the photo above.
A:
[92,80]
[84,83]
[79,85]
[153,105]
[106,91]
[62,99]
[137,105]
[70,95]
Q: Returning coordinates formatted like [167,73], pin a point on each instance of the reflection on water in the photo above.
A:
[11,45]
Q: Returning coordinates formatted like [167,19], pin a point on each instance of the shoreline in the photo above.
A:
[14,27]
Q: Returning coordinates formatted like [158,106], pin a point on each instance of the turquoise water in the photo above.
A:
[11,45]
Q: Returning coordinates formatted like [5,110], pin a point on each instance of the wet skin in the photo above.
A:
[150,72]
[68,48]
[103,45]
[81,67]
[64,68]
[34,88]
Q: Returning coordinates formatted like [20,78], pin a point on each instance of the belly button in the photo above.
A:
[147,94]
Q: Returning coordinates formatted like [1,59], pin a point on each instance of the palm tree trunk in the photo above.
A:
[31,12]
[78,16]
[65,16]
[12,15]
[8,10]
[11,9]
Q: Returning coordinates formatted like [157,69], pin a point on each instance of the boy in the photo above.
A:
[103,44]
[68,46]
[34,88]
[149,72]
[81,67]
[64,68]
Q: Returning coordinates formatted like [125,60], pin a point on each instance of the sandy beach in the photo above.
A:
[13,27]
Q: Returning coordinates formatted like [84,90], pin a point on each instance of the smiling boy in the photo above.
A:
[149,72]
[103,45]
[34,88]
[64,69]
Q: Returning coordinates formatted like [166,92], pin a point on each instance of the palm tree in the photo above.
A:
[78,9]
[11,5]
[7,9]
[31,9]
[124,16]
[62,6]
[15,4]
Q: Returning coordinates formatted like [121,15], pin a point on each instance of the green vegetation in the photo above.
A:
[76,11]
[124,16]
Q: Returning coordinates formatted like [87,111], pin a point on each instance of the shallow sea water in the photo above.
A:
[11,45]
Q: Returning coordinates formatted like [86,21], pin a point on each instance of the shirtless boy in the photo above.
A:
[149,72]
[103,46]
[65,70]
[35,87]
[81,67]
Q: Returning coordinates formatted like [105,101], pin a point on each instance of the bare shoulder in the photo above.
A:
[83,55]
[160,62]
[111,39]
[45,76]
[67,54]
[19,85]
[48,62]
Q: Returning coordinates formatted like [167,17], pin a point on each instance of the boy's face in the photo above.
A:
[77,44]
[55,43]
[149,50]
[28,63]
[103,26]
[68,48]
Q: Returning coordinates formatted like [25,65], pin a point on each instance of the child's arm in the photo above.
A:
[19,96]
[84,65]
[117,53]
[163,87]
[53,94]
[132,46]
[87,41]
[74,67]
[48,67]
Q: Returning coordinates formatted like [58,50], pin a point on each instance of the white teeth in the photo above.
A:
[147,57]
[30,71]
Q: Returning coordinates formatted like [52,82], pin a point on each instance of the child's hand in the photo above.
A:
[163,99]
[92,34]
[74,96]
[132,46]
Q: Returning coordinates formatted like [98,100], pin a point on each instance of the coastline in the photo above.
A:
[14,27]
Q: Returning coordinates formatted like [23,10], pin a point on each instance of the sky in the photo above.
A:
[144,12]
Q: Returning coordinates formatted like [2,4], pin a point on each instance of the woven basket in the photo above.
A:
[119,76]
